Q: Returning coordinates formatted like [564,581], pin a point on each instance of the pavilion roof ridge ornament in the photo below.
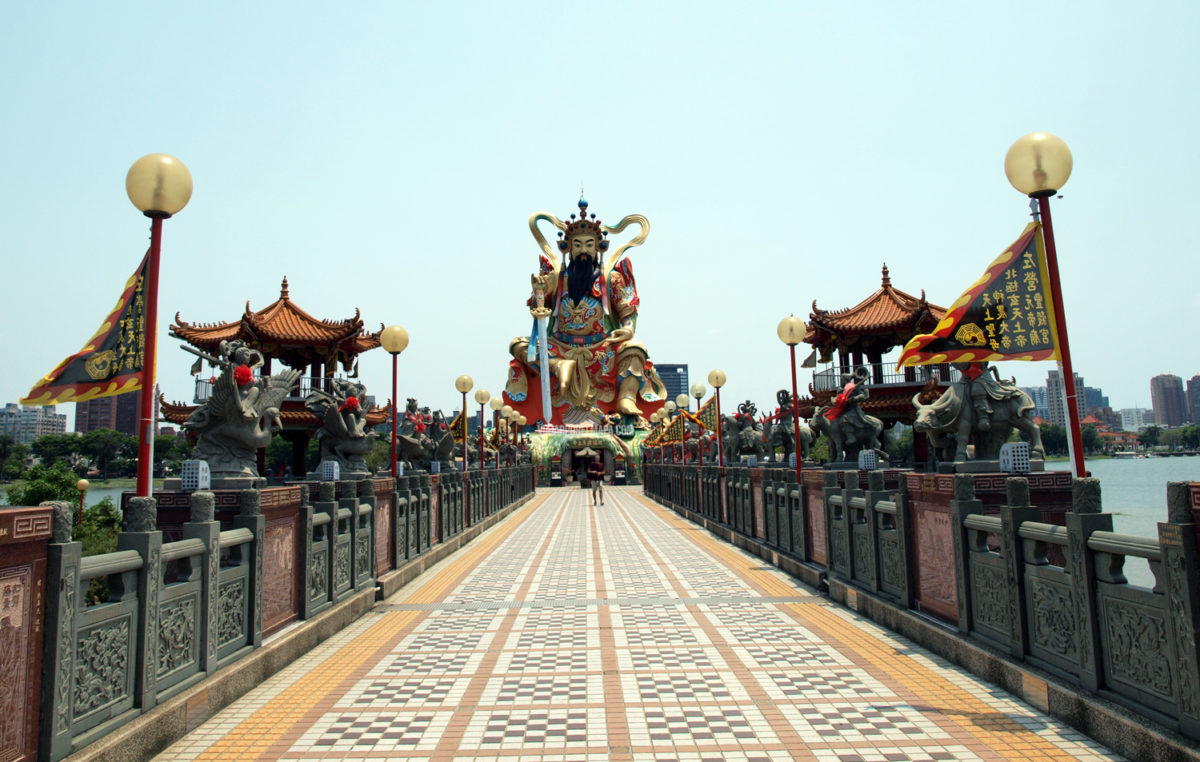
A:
[283,290]
[887,282]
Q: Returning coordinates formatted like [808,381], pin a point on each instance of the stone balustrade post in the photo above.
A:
[1181,567]
[204,527]
[142,535]
[1084,519]
[58,662]
[962,505]
[250,517]
[1016,511]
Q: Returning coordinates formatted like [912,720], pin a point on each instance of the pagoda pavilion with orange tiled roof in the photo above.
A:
[285,333]
[862,335]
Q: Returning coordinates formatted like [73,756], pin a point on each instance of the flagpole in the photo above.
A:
[1076,438]
[150,333]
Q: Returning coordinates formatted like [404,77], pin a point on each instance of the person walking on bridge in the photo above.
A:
[595,474]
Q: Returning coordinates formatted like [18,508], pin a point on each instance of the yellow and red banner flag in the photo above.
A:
[110,363]
[458,427]
[706,416]
[673,433]
[1008,314]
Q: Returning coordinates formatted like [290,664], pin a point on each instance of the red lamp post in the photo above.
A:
[481,396]
[160,186]
[716,380]
[791,331]
[463,384]
[1038,165]
[394,340]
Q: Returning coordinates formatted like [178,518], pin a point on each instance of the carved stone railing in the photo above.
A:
[196,588]
[1042,587]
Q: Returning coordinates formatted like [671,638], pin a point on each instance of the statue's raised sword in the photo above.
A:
[539,338]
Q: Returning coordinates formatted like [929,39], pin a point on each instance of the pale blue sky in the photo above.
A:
[386,156]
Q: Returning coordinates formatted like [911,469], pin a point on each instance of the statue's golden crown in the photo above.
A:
[582,224]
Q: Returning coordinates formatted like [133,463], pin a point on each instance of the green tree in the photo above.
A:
[7,444]
[1190,436]
[43,483]
[168,452]
[104,446]
[1054,439]
[899,444]
[55,448]
[1091,438]
[381,450]
[1149,436]
[14,464]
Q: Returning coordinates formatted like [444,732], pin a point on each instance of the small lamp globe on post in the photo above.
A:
[791,331]
[159,186]
[524,440]
[716,379]
[394,340]
[81,485]
[1039,165]
[463,384]
[698,391]
[681,404]
[481,396]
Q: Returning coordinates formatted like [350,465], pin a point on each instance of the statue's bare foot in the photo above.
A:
[626,406]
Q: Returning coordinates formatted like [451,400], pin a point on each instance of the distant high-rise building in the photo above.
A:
[675,378]
[119,413]
[1166,396]
[1135,418]
[1056,399]
[1038,395]
[25,424]
[1092,398]
[1193,399]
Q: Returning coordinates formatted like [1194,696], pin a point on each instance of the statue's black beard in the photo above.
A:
[581,273]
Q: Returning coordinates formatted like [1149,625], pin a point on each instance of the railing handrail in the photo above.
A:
[105,564]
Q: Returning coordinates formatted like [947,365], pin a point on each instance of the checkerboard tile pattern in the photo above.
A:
[572,632]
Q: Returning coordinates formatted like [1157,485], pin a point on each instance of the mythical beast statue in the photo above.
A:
[344,434]
[849,429]
[241,414]
[981,410]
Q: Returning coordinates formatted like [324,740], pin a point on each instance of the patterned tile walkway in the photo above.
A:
[621,632]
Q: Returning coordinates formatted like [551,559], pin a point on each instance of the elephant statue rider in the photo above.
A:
[981,410]
[779,429]
[741,433]
[848,428]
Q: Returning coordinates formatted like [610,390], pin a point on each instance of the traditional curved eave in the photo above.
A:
[887,311]
[280,323]
[178,413]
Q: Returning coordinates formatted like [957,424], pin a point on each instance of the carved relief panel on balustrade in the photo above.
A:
[936,586]
[1053,626]
[814,495]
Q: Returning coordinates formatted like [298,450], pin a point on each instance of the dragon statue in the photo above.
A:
[344,434]
[241,414]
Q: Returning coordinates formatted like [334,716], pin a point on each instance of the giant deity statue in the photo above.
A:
[241,414]
[581,363]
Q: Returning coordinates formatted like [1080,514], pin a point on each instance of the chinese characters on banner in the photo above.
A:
[1008,314]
